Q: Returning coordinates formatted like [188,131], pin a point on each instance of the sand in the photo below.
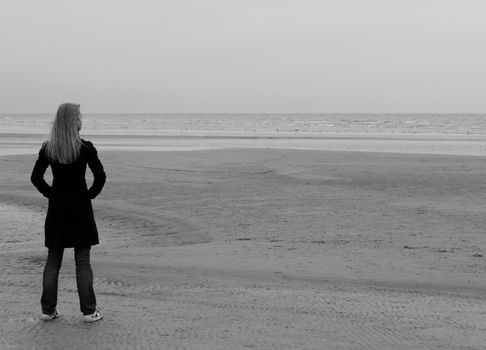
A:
[260,248]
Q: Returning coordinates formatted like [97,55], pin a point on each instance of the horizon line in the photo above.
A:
[239,113]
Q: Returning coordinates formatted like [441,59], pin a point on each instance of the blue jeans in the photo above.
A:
[84,280]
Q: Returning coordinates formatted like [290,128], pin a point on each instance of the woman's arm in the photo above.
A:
[37,177]
[99,176]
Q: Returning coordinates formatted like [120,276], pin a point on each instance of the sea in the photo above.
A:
[154,124]
[455,134]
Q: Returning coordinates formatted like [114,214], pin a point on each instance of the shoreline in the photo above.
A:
[258,134]
[439,144]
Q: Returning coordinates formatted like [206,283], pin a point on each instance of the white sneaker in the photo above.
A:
[50,317]
[95,316]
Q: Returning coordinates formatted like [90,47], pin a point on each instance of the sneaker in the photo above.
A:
[50,317]
[95,316]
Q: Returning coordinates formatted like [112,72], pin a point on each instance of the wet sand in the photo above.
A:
[260,248]
[444,144]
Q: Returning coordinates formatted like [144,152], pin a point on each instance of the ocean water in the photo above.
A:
[451,134]
[298,124]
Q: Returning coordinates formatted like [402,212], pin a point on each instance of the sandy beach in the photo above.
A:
[299,175]
[262,248]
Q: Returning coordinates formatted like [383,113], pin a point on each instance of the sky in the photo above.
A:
[243,56]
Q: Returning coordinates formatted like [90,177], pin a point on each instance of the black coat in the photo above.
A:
[70,221]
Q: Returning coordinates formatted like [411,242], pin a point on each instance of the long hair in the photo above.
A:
[64,143]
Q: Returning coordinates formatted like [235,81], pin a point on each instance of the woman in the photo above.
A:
[69,221]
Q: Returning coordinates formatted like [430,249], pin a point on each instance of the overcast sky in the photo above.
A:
[243,55]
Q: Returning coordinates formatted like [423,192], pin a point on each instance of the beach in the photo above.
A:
[261,247]
[295,175]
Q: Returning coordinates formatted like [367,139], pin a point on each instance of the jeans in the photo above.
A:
[84,280]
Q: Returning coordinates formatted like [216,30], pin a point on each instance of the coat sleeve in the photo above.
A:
[99,176]
[37,177]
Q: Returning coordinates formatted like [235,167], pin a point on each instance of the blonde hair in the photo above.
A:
[64,141]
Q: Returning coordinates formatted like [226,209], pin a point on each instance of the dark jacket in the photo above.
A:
[70,221]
